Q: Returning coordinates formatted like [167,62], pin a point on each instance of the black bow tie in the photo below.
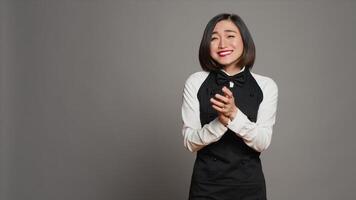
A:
[223,79]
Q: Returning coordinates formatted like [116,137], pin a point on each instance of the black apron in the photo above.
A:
[228,169]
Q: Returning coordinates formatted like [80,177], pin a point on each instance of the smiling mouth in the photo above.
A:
[224,53]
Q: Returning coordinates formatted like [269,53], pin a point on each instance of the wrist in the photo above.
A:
[228,122]
[234,113]
[224,120]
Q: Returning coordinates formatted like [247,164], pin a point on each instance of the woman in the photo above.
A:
[228,113]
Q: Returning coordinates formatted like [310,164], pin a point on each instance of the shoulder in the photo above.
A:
[266,83]
[196,79]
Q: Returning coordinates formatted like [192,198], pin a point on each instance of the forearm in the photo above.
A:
[197,138]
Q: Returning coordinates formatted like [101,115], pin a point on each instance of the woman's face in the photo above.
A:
[226,45]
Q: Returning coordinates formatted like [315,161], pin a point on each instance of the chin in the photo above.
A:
[226,63]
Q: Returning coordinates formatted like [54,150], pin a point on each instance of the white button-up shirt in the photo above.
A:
[257,134]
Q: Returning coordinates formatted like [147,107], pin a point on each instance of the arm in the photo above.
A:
[258,135]
[195,136]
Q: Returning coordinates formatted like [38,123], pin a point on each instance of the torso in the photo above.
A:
[228,169]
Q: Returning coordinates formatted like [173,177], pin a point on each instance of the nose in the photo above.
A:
[222,43]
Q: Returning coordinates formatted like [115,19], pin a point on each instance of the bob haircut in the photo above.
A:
[247,58]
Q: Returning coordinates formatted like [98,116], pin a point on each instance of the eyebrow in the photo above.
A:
[224,31]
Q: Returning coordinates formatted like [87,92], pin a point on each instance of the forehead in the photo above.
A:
[225,26]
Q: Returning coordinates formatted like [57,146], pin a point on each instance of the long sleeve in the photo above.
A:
[195,136]
[258,135]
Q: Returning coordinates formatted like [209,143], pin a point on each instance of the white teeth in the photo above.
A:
[225,53]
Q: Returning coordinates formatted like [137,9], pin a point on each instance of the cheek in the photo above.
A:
[213,48]
[238,44]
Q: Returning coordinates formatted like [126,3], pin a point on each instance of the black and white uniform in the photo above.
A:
[227,165]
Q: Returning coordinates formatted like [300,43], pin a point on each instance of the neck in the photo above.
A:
[232,69]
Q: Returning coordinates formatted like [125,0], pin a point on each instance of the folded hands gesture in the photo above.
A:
[224,105]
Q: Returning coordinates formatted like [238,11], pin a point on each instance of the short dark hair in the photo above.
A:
[249,52]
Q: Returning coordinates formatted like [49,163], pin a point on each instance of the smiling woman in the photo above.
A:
[226,45]
[228,114]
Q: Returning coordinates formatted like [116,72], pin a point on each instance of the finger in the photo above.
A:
[217,103]
[227,92]
[221,111]
[218,108]
[222,98]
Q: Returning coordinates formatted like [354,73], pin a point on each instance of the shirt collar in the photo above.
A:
[243,68]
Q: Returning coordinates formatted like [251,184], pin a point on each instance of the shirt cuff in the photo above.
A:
[217,127]
[238,123]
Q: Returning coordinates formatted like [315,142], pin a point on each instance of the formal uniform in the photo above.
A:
[227,164]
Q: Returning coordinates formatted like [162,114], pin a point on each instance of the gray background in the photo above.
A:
[91,96]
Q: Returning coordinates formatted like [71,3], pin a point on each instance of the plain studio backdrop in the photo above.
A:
[91,94]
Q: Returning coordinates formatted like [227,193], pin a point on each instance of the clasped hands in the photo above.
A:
[225,106]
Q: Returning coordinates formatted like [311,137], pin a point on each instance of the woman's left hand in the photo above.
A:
[225,104]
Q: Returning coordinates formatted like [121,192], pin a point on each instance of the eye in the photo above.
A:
[213,38]
[231,36]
